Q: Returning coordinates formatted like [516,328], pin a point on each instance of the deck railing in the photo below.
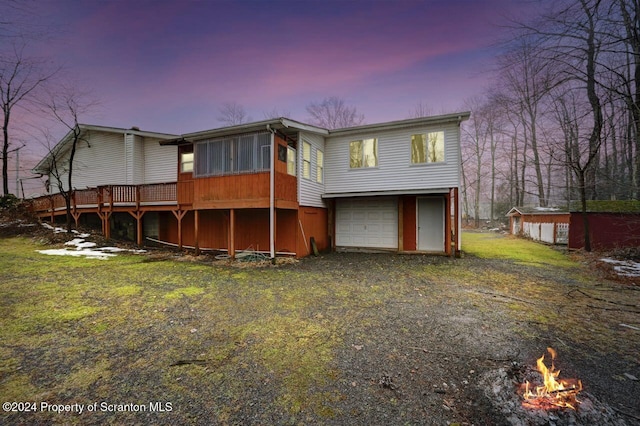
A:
[107,196]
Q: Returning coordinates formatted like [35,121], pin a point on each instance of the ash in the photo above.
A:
[501,388]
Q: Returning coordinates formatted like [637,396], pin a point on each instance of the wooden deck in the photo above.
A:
[244,199]
[112,198]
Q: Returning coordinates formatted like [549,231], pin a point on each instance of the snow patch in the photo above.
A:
[88,253]
[80,243]
[624,268]
[81,247]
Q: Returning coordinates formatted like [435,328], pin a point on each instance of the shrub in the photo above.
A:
[9,201]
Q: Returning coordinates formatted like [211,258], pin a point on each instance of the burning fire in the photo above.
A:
[555,393]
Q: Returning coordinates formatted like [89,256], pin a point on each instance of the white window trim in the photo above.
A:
[377,156]
[306,171]
[429,163]
[183,162]
[319,169]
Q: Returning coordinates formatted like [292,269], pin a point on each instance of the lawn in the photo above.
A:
[169,341]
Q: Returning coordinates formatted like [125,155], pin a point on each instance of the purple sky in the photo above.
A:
[169,65]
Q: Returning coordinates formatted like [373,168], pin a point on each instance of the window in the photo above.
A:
[186,162]
[319,166]
[291,161]
[239,154]
[282,153]
[306,160]
[427,148]
[363,153]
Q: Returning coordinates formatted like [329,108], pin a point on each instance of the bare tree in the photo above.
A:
[526,80]
[334,113]
[421,110]
[66,105]
[476,137]
[276,113]
[20,76]
[624,43]
[232,114]
[570,38]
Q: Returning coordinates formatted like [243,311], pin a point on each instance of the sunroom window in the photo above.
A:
[363,153]
[232,155]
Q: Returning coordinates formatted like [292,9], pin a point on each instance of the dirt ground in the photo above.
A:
[409,347]
[435,341]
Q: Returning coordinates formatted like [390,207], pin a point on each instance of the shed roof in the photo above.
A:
[536,210]
[607,206]
[593,206]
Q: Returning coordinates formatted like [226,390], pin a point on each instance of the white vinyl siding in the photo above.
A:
[107,160]
[367,222]
[394,171]
[159,162]
[133,159]
[100,162]
[310,190]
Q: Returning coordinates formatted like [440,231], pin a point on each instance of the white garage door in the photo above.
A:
[367,223]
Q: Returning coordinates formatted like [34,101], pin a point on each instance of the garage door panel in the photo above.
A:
[367,223]
[359,216]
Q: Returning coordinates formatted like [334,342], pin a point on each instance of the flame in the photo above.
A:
[554,393]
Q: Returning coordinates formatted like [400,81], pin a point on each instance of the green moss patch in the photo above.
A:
[519,250]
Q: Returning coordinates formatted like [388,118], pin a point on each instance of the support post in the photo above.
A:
[196,226]
[232,233]
[106,228]
[272,198]
[456,223]
[401,223]
[138,217]
[179,214]
[76,217]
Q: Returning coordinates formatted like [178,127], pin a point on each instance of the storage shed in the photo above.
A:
[546,224]
[612,224]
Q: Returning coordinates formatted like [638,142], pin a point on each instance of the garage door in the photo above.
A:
[367,223]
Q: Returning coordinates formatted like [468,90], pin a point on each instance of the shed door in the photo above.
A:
[367,223]
[431,224]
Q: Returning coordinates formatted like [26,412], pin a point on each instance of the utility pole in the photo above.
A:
[18,173]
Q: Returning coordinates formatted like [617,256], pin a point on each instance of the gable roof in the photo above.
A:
[65,143]
[282,124]
[535,211]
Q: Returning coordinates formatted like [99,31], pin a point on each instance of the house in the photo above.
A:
[110,166]
[285,187]
[612,224]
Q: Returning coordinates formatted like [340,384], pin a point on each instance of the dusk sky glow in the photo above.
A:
[169,65]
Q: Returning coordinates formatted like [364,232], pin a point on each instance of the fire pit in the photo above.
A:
[553,393]
[522,395]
